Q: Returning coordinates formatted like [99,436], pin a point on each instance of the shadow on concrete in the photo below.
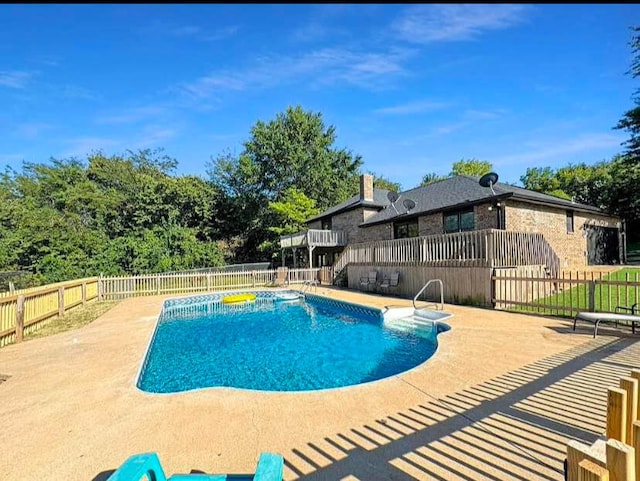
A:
[514,426]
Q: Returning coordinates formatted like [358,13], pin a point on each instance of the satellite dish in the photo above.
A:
[489,180]
[392,196]
[409,204]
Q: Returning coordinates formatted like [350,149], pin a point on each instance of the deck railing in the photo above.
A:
[25,311]
[481,248]
[315,238]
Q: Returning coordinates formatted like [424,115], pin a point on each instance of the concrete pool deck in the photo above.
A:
[499,400]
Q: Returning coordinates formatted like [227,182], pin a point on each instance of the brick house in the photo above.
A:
[579,234]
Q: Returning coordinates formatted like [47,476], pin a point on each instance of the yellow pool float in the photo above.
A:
[238,298]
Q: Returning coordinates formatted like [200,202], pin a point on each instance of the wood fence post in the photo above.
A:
[20,319]
[589,471]
[620,461]
[158,284]
[592,295]
[208,281]
[100,288]
[636,446]
[61,301]
[635,374]
[84,293]
[616,414]
[630,386]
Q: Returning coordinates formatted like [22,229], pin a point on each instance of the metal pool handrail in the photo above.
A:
[427,285]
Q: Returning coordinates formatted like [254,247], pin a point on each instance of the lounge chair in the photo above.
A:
[147,466]
[370,280]
[390,282]
[598,317]
[281,277]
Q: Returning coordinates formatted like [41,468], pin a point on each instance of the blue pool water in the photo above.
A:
[273,345]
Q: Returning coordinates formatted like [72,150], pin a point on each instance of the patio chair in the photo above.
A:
[282,277]
[370,280]
[599,317]
[390,282]
[147,466]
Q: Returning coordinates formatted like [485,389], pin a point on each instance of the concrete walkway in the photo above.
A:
[499,400]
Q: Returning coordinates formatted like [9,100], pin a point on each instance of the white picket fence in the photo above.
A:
[114,288]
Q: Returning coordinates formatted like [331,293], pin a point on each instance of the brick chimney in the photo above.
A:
[366,187]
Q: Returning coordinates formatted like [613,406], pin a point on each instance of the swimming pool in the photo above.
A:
[276,344]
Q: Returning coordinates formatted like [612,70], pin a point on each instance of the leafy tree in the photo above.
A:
[472,167]
[290,215]
[121,214]
[293,150]
[381,182]
[430,178]
[631,119]
[543,180]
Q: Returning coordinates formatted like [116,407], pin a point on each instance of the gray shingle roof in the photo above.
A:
[379,200]
[460,190]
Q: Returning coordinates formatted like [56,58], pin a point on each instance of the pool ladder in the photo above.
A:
[427,285]
[306,287]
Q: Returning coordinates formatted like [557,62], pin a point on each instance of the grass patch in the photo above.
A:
[78,317]
[607,298]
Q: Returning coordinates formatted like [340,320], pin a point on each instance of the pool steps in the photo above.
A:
[421,322]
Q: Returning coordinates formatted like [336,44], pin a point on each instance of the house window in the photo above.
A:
[326,224]
[459,221]
[569,222]
[402,230]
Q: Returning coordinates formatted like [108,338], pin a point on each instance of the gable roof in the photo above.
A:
[463,190]
[379,201]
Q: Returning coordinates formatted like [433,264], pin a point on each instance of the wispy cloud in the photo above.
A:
[32,130]
[131,116]
[15,79]
[370,70]
[436,23]
[549,150]
[414,107]
[154,136]
[189,31]
[79,93]
[80,146]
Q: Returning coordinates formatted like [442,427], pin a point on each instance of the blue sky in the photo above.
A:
[411,88]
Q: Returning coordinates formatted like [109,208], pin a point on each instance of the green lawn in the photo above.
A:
[607,297]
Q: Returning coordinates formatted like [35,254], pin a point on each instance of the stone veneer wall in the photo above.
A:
[552,223]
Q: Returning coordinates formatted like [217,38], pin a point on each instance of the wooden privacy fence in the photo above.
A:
[528,290]
[616,455]
[156,284]
[23,312]
[481,248]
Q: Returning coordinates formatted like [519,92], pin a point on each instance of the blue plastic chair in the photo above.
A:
[270,468]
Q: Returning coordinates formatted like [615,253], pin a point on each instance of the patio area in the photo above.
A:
[499,400]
